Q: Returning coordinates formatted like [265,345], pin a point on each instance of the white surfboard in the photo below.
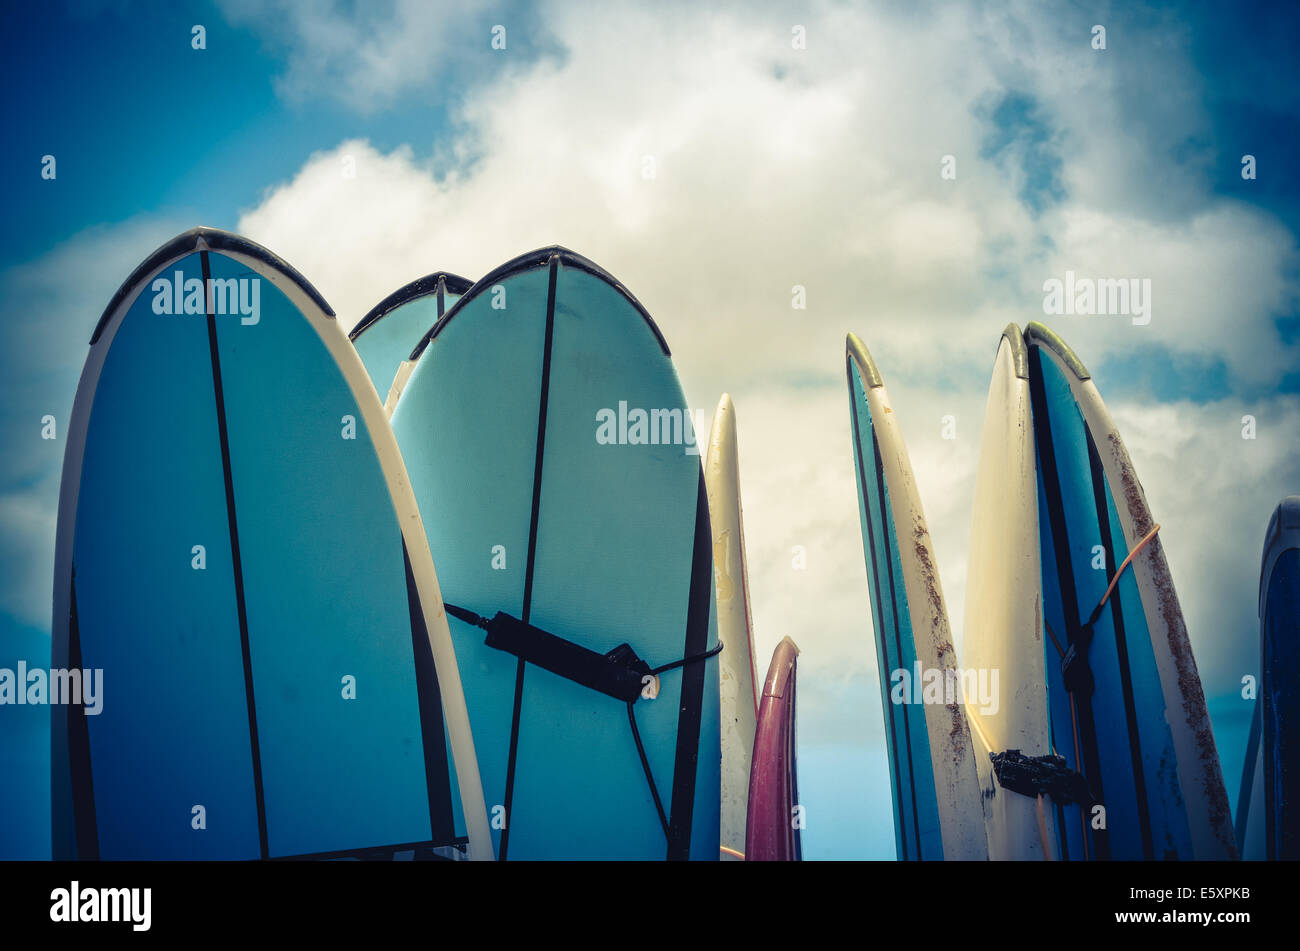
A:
[937,809]
[736,674]
[1003,610]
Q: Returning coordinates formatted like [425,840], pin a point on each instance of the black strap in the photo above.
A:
[1035,776]
[1075,670]
[619,674]
[636,734]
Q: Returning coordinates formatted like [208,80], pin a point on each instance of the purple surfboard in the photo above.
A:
[771,828]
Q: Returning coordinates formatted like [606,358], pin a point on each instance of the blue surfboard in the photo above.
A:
[239,554]
[549,447]
[1279,636]
[1125,700]
[385,337]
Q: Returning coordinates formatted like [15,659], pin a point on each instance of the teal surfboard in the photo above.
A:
[385,337]
[548,444]
[240,561]
[1125,700]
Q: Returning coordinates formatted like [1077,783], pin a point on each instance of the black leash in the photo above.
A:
[620,673]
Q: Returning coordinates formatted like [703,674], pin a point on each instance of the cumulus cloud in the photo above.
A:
[771,167]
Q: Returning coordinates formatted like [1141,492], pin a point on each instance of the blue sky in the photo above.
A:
[775,168]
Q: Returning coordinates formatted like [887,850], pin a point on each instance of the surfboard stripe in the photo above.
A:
[1064,593]
[686,758]
[902,656]
[1116,608]
[432,727]
[1248,779]
[542,404]
[241,607]
[83,782]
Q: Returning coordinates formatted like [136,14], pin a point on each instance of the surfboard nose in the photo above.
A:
[857,351]
[1019,352]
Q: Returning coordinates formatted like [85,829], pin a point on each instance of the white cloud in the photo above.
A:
[778,167]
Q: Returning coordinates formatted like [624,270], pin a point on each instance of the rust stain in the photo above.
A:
[946,654]
[1190,688]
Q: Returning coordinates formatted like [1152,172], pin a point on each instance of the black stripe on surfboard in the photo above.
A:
[198,239]
[384,853]
[538,458]
[1248,777]
[1121,650]
[85,827]
[527,262]
[219,395]
[1067,593]
[898,640]
[880,612]
[429,695]
[421,287]
[690,712]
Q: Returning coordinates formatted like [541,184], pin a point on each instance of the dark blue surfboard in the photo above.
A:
[590,532]
[240,555]
[1279,620]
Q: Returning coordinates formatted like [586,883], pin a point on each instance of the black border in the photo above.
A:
[1041,335]
[216,240]
[527,262]
[420,287]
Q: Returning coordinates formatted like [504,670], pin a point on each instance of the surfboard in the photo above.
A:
[737,676]
[1003,633]
[772,828]
[1132,720]
[549,446]
[1279,608]
[937,807]
[239,553]
[385,337]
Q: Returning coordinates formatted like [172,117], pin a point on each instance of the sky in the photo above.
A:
[775,165]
